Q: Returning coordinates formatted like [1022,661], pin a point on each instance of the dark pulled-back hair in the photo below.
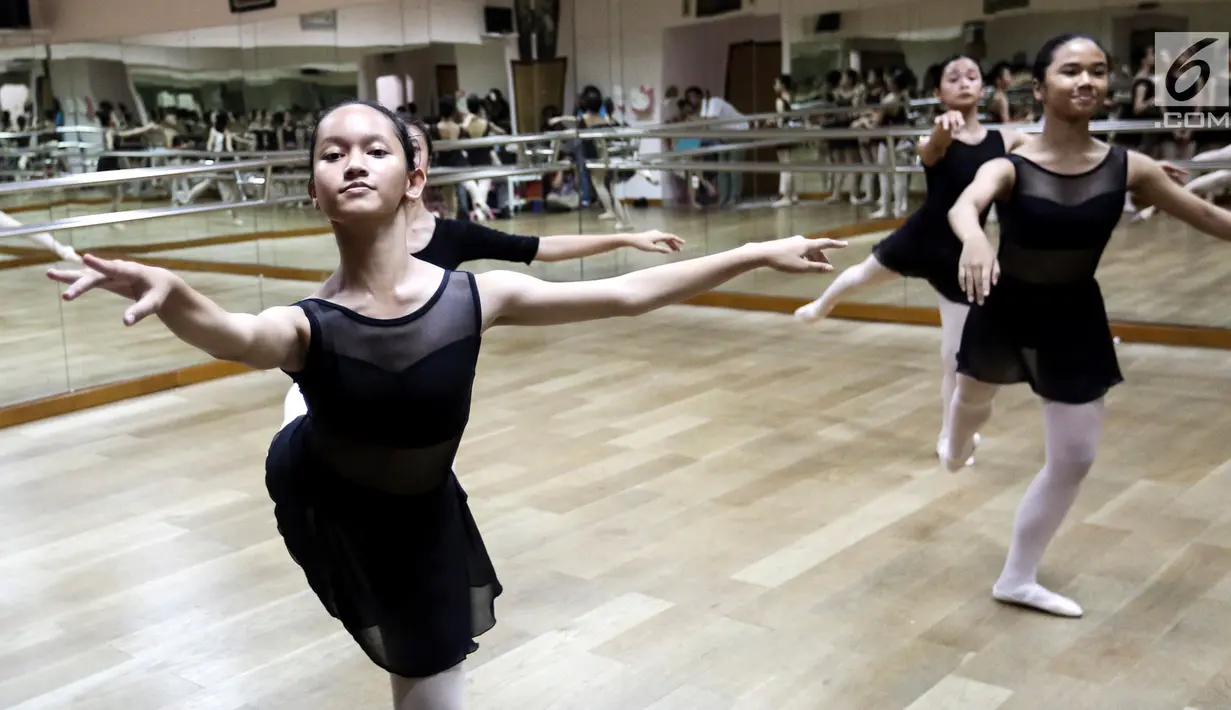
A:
[399,128]
[1047,52]
[423,129]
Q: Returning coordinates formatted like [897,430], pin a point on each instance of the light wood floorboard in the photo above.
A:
[694,509]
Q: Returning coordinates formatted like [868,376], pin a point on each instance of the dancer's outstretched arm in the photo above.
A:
[1146,177]
[275,338]
[510,298]
[481,242]
[933,147]
[563,247]
[978,269]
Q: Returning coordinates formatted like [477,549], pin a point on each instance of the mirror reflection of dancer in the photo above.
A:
[1207,184]
[449,243]
[926,247]
[112,132]
[364,494]
[1044,322]
[221,142]
[43,239]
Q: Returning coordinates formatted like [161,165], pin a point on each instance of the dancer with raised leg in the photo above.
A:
[1039,316]
[926,247]
[364,492]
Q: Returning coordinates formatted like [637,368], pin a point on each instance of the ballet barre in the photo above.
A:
[815,167]
[441,176]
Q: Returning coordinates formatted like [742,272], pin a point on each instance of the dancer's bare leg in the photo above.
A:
[952,322]
[598,178]
[968,412]
[443,691]
[867,273]
[1072,432]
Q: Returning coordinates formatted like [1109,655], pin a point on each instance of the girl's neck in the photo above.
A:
[372,256]
[420,226]
[1065,136]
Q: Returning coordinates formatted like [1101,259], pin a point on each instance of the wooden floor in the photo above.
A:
[1158,272]
[694,509]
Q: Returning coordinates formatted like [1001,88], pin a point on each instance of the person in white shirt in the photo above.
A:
[730,184]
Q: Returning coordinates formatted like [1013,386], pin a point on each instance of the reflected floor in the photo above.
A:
[1159,271]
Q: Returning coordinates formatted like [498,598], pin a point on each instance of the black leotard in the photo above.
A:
[925,247]
[388,402]
[364,491]
[1044,322]
[480,156]
[451,158]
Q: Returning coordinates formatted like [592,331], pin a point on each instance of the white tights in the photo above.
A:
[1072,434]
[952,322]
[865,274]
[598,179]
[43,239]
[293,406]
[444,691]
[871,272]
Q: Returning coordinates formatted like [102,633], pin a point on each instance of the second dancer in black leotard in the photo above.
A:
[1044,322]
[925,247]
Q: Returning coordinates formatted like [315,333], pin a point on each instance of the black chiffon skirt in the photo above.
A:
[922,249]
[1057,339]
[407,575]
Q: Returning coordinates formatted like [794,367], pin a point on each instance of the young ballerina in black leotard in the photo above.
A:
[449,243]
[1043,323]
[925,247]
[364,493]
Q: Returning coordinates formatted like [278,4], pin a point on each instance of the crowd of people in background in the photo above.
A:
[841,98]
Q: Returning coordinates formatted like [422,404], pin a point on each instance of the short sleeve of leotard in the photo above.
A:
[478,242]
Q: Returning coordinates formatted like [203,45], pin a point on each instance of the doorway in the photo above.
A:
[446,82]
[752,68]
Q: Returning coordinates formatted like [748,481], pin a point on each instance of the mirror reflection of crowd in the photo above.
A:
[465,116]
[589,184]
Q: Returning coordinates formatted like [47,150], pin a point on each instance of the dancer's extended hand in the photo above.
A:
[1175,173]
[798,254]
[950,122]
[656,241]
[146,285]
[978,269]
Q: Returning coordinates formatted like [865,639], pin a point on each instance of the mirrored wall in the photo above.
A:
[703,118]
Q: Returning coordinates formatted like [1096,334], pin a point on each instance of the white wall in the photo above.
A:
[418,64]
[620,42]
[209,23]
[81,84]
[482,67]
[13,99]
[696,55]
[1004,34]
